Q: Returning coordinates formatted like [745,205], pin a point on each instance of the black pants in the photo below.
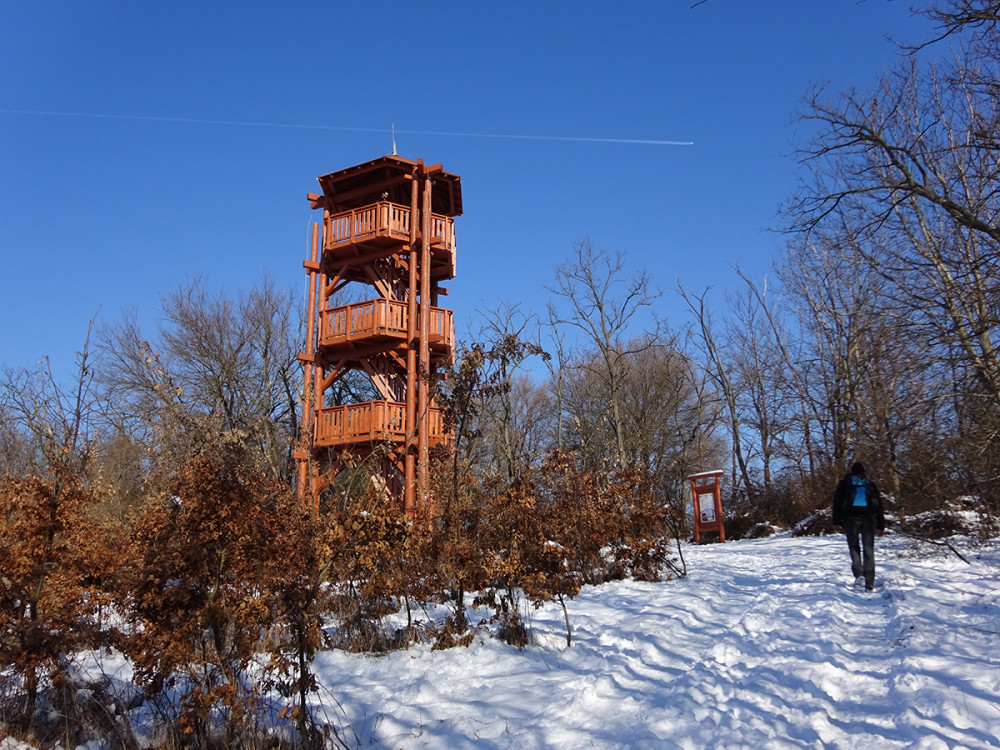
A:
[863,553]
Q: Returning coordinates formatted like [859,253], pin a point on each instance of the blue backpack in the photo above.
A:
[859,495]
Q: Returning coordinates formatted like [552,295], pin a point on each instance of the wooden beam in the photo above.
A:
[423,355]
[308,359]
[359,258]
[335,284]
[379,380]
[409,468]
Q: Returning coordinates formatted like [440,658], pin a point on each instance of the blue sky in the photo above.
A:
[164,181]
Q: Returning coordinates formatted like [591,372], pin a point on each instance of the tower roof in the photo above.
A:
[366,183]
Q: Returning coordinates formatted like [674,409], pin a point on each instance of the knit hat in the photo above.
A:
[858,469]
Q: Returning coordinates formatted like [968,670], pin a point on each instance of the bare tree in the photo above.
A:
[233,361]
[604,305]
[837,305]
[48,425]
[586,406]
[903,181]
[671,425]
[755,361]
[790,377]
[508,420]
[910,173]
[558,365]
[718,372]
[980,17]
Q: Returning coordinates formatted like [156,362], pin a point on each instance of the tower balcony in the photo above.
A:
[378,230]
[370,422]
[381,324]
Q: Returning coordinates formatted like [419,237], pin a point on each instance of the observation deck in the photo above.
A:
[382,324]
[370,422]
[379,230]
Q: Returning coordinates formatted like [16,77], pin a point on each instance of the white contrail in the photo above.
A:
[244,123]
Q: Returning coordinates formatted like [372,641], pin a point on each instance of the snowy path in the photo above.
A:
[764,645]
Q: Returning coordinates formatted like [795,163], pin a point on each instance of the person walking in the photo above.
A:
[857,510]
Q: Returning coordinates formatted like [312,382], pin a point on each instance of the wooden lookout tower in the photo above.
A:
[388,226]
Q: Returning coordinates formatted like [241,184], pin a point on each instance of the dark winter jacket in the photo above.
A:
[857,496]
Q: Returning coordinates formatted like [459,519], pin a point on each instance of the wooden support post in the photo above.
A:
[423,359]
[409,459]
[319,375]
[308,372]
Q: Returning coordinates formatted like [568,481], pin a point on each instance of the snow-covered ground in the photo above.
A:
[764,645]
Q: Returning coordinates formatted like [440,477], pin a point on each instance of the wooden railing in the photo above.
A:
[380,317]
[443,227]
[372,421]
[382,219]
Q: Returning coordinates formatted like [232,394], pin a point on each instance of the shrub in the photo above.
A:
[52,566]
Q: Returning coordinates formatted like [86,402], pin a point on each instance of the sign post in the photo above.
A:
[706,499]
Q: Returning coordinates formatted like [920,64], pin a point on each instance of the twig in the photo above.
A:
[936,542]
